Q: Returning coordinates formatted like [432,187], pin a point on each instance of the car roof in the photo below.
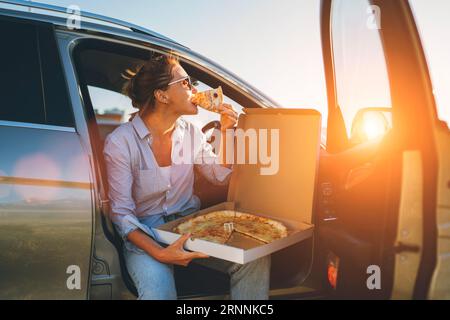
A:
[91,21]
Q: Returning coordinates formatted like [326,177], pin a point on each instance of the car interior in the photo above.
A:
[101,64]
[355,199]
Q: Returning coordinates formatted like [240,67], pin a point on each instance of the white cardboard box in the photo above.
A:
[286,196]
[239,249]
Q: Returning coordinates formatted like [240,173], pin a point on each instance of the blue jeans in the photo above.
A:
[155,281]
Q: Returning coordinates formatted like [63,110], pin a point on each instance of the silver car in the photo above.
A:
[381,205]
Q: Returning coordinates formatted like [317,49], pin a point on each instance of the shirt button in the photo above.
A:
[168,186]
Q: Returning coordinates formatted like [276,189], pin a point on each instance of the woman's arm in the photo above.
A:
[123,208]
[173,254]
[211,165]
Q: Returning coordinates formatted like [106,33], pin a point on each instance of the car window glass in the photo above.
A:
[360,69]
[20,81]
[57,105]
[110,106]
[32,82]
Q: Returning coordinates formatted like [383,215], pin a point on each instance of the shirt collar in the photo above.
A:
[143,131]
[140,127]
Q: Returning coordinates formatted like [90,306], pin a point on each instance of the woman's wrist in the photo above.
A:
[159,254]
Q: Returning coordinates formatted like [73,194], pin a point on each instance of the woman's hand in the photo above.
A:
[175,253]
[228,116]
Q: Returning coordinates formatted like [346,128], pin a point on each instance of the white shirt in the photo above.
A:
[165,171]
[139,188]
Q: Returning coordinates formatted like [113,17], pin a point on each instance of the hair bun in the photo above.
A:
[153,74]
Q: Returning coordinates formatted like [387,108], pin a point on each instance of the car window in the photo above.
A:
[113,108]
[58,109]
[110,106]
[102,72]
[20,74]
[32,83]
[362,82]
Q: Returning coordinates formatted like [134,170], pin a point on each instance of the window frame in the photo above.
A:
[337,138]
[41,28]
[132,50]
[340,72]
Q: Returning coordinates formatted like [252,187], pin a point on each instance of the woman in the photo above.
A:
[148,188]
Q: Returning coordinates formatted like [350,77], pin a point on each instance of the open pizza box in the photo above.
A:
[285,194]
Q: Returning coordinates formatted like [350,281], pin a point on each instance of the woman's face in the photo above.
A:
[179,94]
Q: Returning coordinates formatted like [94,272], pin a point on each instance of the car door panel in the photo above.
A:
[381,196]
[352,214]
[45,214]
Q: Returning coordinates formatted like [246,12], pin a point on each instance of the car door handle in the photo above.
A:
[404,247]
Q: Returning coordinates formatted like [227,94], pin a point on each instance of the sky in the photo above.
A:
[274,45]
[432,19]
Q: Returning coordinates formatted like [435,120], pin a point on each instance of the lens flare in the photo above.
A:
[41,167]
[374,125]
[5,189]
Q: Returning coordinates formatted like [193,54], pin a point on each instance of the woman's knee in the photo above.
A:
[257,268]
[153,280]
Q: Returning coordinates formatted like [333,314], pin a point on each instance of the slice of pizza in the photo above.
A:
[259,228]
[215,227]
[209,99]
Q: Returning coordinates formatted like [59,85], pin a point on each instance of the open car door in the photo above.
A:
[379,173]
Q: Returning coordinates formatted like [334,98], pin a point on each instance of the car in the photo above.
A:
[381,204]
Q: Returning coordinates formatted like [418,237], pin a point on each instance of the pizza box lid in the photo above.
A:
[287,192]
[286,196]
[239,249]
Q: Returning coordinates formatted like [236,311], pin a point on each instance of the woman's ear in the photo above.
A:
[161,96]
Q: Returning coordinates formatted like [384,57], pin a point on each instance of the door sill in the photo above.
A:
[294,293]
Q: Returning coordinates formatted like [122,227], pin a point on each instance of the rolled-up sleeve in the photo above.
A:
[207,163]
[120,181]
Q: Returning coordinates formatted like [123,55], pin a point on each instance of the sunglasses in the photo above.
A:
[186,82]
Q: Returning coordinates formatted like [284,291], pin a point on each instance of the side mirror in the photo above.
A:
[370,124]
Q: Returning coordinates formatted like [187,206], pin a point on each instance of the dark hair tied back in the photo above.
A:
[154,74]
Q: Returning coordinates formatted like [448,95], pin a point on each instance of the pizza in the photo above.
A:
[209,99]
[211,227]
[262,229]
[218,226]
